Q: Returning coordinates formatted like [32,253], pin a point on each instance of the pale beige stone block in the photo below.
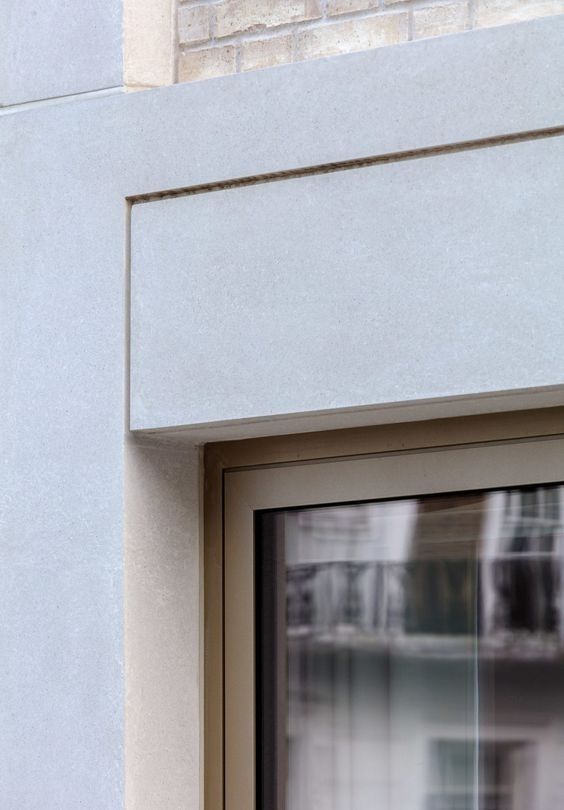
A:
[236,16]
[353,35]
[346,6]
[434,22]
[263,53]
[148,47]
[206,64]
[502,12]
[193,24]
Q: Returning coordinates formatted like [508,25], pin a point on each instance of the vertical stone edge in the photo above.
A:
[162,625]
[149,43]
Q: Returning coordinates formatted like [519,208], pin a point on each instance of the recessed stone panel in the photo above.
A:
[438,276]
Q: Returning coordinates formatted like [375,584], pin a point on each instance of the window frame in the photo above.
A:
[398,460]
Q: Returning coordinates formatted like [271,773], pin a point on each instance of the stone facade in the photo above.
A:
[252,308]
[230,36]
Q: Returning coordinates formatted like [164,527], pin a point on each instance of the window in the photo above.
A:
[392,631]
[525,549]
[369,625]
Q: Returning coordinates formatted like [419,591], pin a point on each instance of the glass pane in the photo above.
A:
[410,654]
[521,673]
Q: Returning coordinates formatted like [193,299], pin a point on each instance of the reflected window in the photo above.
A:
[505,771]
[527,562]
[451,782]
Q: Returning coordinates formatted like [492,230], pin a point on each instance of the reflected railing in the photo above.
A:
[514,605]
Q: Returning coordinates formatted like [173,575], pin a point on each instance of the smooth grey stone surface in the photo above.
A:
[426,278]
[476,85]
[58,47]
[61,471]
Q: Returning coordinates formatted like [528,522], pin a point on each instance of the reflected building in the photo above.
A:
[425,653]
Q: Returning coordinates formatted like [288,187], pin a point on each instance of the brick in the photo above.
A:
[335,7]
[353,35]
[206,64]
[434,22]
[237,16]
[263,53]
[500,12]
[193,25]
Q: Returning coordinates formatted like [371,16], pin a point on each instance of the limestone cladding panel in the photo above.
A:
[319,284]
[58,48]
[219,37]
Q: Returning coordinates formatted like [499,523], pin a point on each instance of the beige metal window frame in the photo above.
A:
[478,452]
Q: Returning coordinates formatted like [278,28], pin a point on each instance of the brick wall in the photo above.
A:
[218,37]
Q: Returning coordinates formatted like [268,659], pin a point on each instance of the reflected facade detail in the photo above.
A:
[413,654]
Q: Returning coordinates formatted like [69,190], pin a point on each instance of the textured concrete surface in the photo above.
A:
[383,284]
[63,338]
[59,47]
[62,473]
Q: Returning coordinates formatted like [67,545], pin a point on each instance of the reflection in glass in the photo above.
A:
[411,654]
